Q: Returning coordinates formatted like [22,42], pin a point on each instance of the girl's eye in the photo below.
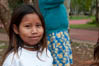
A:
[27,26]
[38,25]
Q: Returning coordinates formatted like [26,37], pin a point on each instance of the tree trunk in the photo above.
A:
[97,11]
[35,3]
[28,1]
[97,17]
[5,14]
[67,3]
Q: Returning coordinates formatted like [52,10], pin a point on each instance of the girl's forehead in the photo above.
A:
[31,18]
[31,15]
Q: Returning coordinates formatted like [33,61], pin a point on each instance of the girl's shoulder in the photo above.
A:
[11,59]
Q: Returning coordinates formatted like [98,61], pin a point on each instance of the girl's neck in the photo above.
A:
[31,48]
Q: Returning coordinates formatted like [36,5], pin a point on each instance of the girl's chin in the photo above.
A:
[31,43]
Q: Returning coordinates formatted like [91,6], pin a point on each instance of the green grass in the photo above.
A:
[5,44]
[3,47]
[89,25]
[81,17]
[84,26]
[2,30]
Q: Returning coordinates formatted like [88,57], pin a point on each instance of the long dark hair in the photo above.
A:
[14,40]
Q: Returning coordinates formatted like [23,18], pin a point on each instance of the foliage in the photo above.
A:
[82,6]
[94,22]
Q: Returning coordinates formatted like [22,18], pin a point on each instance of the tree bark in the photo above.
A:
[28,1]
[5,14]
[97,11]
[67,3]
[97,17]
[36,5]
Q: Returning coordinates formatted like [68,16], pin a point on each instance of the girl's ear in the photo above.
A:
[15,29]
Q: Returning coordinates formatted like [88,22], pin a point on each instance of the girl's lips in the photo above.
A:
[35,37]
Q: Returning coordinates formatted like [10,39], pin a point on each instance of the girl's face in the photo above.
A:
[30,29]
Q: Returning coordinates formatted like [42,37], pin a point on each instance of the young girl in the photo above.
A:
[56,23]
[27,40]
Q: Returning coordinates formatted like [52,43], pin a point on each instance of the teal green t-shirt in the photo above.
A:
[55,15]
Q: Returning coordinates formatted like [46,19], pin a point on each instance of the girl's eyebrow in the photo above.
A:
[39,23]
[27,23]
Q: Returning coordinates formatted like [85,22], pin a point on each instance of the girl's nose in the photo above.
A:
[34,30]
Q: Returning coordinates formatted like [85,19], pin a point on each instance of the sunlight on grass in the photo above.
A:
[3,44]
[84,26]
[90,25]
[81,17]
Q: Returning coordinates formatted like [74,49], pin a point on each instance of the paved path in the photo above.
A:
[89,36]
[82,21]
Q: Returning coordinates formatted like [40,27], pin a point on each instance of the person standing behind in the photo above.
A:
[27,39]
[56,23]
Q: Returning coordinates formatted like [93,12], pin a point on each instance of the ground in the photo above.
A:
[82,54]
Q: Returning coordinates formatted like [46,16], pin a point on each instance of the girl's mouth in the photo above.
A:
[34,37]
